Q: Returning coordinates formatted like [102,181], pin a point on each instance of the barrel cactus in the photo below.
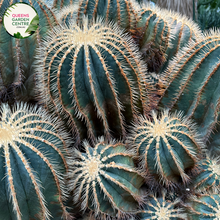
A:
[17,72]
[104,179]
[205,206]
[209,175]
[93,73]
[32,164]
[193,83]
[161,209]
[160,34]
[168,146]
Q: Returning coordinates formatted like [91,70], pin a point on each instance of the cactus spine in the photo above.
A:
[193,82]
[168,146]
[105,180]
[106,78]
[31,164]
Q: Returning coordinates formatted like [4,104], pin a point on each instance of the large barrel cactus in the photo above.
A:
[93,73]
[193,79]
[168,146]
[104,179]
[32,165]
[17,72]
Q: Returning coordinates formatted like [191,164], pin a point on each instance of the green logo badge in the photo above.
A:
[20,20]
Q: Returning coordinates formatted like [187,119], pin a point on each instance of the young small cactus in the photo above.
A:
[32,164]
[161,209]
[203,207]
[192,82]
[94,73]
[168,146]
[104,179]
[209,176]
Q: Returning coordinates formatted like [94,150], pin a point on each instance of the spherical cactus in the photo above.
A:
[161,209]
[203,207]
[168,146]
[209,175]
[104,179]
[32,164]
[192,85]
[94,75]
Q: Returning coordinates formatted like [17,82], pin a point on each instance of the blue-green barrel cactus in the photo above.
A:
[204,207]
[161,209]
[105,180]
[192,83]
[17,72]
[93,75]
[208,176]
[168,146]
[123,12]
[32,165]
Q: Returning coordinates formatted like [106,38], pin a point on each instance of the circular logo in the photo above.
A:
[20,20]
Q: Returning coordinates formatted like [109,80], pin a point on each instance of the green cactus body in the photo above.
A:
[17,55]
[121,11]
[104,179]
[161,209]
[32,165]
[209,176]
[193,82]
[161,33]
[99,79]
[205,206]
[168,146]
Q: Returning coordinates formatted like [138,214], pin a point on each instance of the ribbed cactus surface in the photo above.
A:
[203,207]
[168,146]
[104,179]
[193,82]
[93,73]
[161,209]
[32,165]
[17,71]
[209,175]
[161,33]
[121,11]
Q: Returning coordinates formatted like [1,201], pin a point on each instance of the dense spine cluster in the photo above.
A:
[168,146]
[93,73]
[105,179]
[31,164]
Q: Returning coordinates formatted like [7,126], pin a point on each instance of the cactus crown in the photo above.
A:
[105,180]
[161,209]
[165,142]
[28,135]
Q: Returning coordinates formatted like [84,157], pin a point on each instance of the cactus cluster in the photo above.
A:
[126,121]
